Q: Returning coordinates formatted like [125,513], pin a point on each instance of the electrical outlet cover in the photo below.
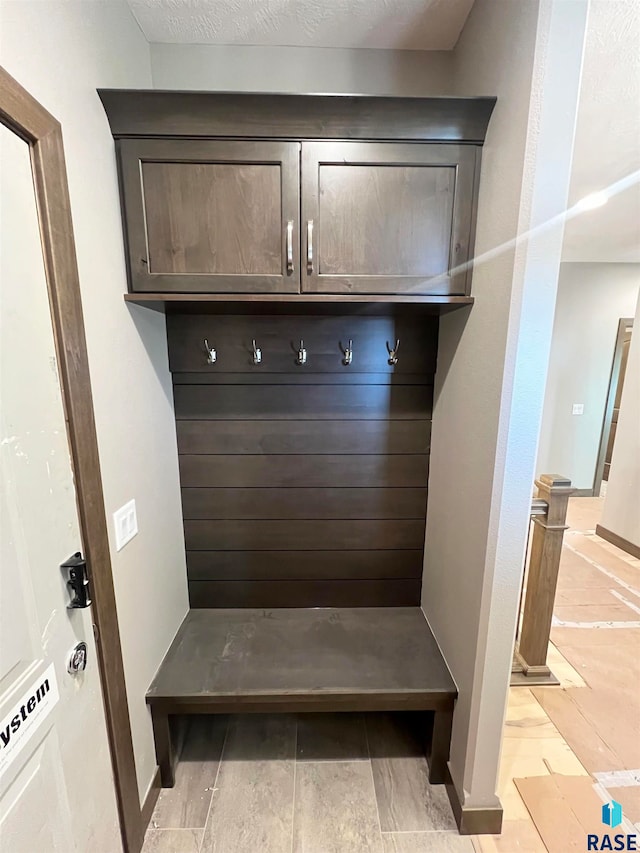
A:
[125,522]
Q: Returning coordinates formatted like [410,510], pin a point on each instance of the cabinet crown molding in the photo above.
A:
[133,113]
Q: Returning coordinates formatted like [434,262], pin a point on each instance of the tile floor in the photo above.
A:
[318,783]
[354,784]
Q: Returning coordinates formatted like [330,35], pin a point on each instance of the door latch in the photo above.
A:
[78,582]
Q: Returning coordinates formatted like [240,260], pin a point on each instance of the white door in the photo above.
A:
[56,783]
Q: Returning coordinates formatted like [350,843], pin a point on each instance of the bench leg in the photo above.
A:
[439,757]
[164,748]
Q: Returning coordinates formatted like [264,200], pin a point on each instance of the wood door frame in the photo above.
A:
[623,324]
[27,118]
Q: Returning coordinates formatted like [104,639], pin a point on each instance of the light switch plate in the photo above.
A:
[125,522]
[578,409]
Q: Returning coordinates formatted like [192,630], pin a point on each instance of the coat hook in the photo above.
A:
[347,354]
[393,353]
[301,357]
[212,355]
[257,354]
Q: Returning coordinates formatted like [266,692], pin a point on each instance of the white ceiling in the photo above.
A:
[398,24]
[607,146]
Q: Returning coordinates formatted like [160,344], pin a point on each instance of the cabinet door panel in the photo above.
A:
[219,218]
[387,218]
[212,216]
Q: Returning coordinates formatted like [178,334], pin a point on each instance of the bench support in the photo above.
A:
[440,744]
[164,747]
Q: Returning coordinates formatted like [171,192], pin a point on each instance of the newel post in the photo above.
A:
[544,563]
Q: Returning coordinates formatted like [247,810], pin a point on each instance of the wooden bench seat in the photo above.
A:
[296,660]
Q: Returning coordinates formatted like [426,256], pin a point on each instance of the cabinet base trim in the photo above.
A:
[296,303]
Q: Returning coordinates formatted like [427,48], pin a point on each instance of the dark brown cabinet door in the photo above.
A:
[218,217]
[387,218]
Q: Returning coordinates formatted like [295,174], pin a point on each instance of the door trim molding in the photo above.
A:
[623,324]
[26,117]
[151,799]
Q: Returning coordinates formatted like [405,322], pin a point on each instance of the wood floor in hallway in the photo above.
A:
[590,725]
[353,784]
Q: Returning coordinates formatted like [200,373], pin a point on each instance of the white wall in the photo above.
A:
[606,150]
[591,300]
[621,511]
[492,363]
[300,70]
[60,52]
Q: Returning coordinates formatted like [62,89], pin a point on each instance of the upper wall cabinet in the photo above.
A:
[212,216]
[386,218]
[298,198]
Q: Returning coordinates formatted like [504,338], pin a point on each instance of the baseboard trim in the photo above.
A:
[150,800]
[583,493]
[473,821]
[618,541]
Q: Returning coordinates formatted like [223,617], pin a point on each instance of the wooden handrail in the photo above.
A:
[549,513]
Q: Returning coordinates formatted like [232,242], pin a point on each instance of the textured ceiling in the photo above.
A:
[399,24]
[607,146]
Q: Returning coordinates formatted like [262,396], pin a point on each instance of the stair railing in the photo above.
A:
[548,523]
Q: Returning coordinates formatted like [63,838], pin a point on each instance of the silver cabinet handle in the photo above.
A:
[310,245]
[290,245]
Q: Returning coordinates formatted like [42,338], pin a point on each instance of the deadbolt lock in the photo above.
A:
[77,661]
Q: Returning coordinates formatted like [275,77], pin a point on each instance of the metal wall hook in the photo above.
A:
[347,354]
[212,355]
[301,357]
[257,354]
[393,353]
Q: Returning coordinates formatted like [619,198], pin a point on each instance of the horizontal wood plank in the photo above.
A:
[303,565]
[313,402]
[309,503]
[277,535]
[324,339]
[260,377]
[303,437]
[301,482]
[350,471]
[323,593]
